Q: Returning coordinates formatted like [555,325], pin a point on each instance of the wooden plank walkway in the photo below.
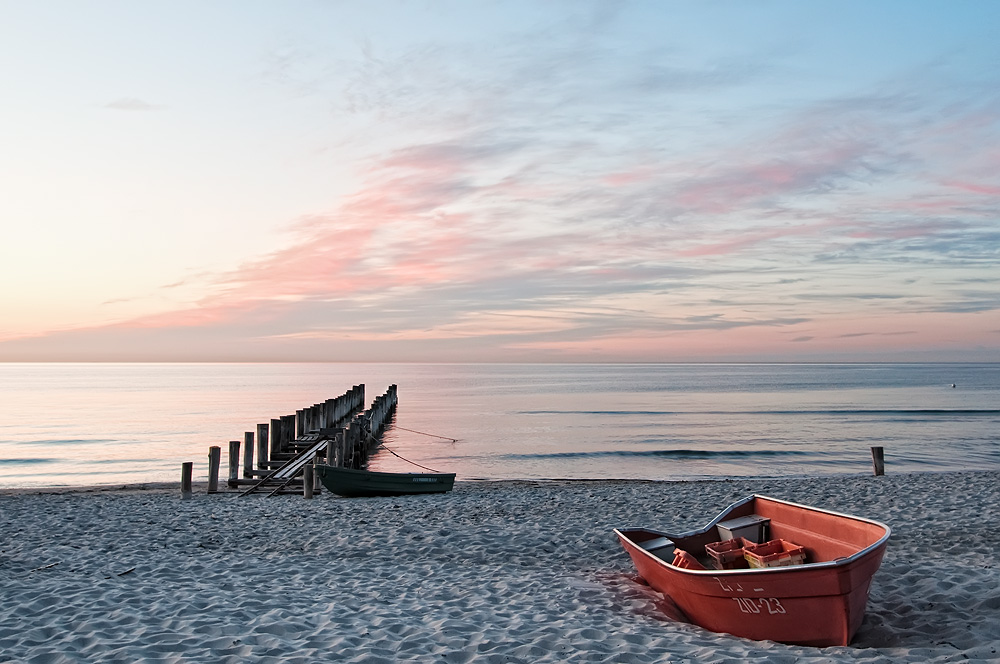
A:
[284,474]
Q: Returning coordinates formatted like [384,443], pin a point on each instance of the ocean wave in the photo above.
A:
[67,441]
[672,454]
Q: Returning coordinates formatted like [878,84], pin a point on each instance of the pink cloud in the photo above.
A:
[900,231]
[737,242]
[640,174]
[976,188]
[792,162]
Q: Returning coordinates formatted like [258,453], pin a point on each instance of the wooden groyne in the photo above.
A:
[335,432]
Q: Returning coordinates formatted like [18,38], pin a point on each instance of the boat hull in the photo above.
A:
[354,483]
[818,604]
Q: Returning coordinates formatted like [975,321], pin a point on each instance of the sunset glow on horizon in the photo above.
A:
[500,181]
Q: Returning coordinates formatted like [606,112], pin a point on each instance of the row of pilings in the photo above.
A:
[333,432]
[366,429]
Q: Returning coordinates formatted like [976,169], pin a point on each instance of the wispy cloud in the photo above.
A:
[132,104]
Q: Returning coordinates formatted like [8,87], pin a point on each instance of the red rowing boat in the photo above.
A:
[803,576]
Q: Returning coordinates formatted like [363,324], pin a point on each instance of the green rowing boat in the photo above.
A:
[357,483]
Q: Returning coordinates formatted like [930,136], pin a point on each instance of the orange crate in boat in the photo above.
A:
[685,560]
[776,553]
[728,554]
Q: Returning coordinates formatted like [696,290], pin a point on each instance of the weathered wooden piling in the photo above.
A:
[187,468]
[214,459]
[247,455]
[331,449]
[287,432]
[234,462]
[307,481]
[878,461]
[275,438]
[262,455]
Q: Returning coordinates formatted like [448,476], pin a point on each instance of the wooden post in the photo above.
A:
[262,446]
[307,481]
[287,424]
[330,446]
[214,459]
[300,424]
[248,455]
[186,469]
[345,449]
[275,438]
[878,460]
[234,461]
[317,485]
[354,446]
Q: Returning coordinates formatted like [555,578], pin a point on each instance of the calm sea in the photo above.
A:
[80,424]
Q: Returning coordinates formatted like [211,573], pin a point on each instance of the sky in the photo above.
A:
[505,181]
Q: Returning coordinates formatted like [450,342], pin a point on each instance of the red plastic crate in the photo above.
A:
[776,553]
[728,554]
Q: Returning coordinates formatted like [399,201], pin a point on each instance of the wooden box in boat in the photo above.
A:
[819,603]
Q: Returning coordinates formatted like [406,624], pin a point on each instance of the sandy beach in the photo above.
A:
[492,572]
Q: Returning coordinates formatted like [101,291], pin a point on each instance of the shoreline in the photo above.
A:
[201,487]
[498,571]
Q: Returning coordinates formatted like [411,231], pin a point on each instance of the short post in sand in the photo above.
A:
[214,459]
[307,481]
[186,469]
[878,461]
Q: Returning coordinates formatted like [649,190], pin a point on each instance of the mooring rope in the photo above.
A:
[454,440]
[387,449]
[408,461]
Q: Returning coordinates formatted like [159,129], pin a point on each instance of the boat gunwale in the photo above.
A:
[839,562]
